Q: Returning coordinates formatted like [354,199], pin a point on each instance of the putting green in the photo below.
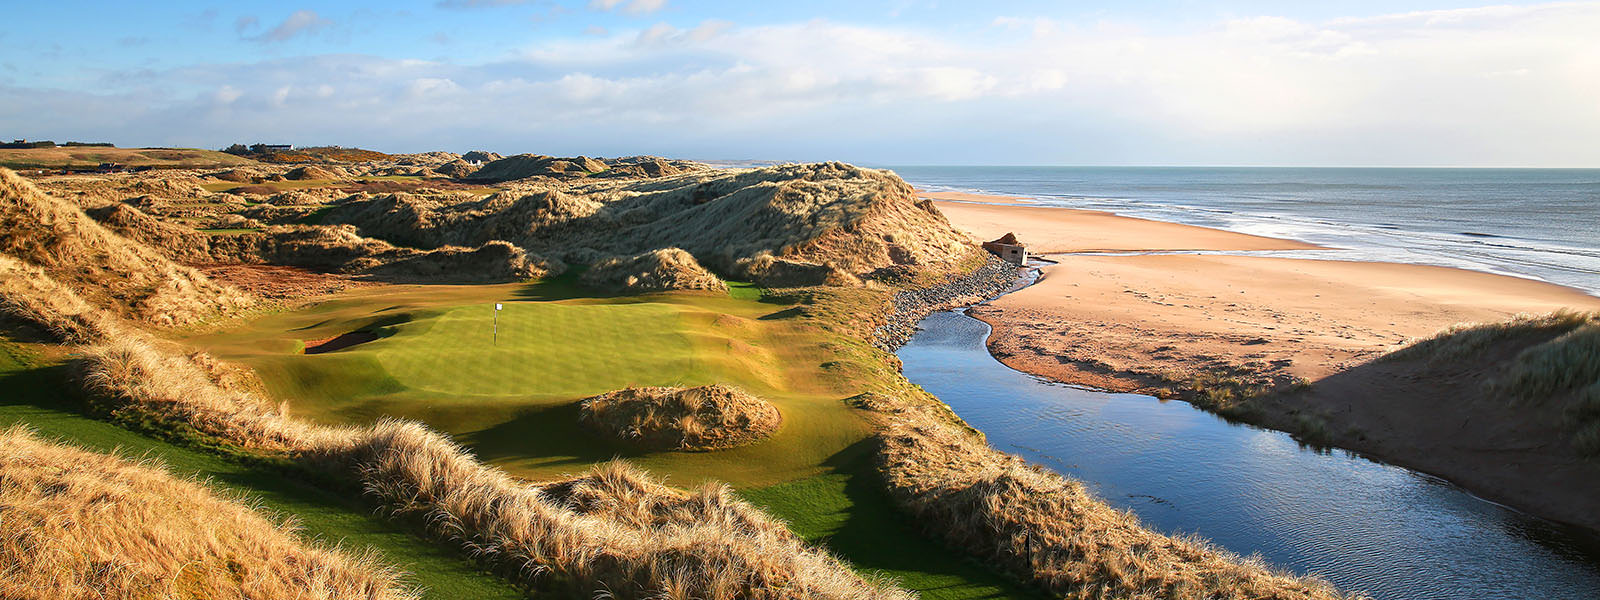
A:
[541,348]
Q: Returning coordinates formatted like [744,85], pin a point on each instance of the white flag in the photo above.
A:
[497,306]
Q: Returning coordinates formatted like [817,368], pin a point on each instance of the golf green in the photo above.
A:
[542,348]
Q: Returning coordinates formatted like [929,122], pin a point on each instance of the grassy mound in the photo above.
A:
[456,168]
[82,525]
[523,166]
[104,268]
[654,271]
[1555,365]
[310,173]
[645,167]
[709,417]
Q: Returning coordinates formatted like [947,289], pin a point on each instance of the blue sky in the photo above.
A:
[894,82]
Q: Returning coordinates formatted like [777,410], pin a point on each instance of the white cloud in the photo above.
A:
[631,7]
[1501,85]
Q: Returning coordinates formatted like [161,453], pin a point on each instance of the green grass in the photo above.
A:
[569,350]
[743,290]
[513,401]
[848,511]
[34,397]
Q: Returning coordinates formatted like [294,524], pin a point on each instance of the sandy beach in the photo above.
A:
[1141,322]
[1103,320]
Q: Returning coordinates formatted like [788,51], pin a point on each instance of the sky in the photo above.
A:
[896,82]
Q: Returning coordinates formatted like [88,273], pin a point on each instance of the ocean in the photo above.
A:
[1539,224]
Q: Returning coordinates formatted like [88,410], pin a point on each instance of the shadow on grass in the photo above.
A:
[43,398]
[550,432]
[848,510]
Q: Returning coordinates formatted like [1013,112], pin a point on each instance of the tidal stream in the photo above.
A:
[1362,525]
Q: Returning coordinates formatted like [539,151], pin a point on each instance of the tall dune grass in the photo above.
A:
[1048,530]
[617,533]
[76,524]
[1464,339]
[104,268]
[27,293]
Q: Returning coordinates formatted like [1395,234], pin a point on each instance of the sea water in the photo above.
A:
[1535,223]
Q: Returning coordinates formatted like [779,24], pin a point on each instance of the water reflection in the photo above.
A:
[1361,524]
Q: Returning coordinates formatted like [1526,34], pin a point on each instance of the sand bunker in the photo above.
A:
[339,342]
[709,417]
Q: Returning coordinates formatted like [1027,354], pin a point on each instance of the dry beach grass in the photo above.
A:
[1048,530]
[75,524]
[700,418]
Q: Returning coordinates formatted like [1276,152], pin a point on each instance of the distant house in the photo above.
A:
[1008,249]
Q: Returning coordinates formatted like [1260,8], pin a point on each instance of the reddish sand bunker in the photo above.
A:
[339,342]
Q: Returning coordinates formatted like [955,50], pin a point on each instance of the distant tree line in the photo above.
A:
[243,150]
[25,144]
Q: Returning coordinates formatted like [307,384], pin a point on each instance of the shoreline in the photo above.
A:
[971,197]
[1307,330]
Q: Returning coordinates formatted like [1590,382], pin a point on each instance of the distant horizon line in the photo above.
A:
[889,164]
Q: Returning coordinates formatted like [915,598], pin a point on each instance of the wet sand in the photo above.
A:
[966,197]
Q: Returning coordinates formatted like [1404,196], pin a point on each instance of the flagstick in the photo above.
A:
[496,341]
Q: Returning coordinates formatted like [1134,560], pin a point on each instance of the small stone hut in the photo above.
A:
[1008,249]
